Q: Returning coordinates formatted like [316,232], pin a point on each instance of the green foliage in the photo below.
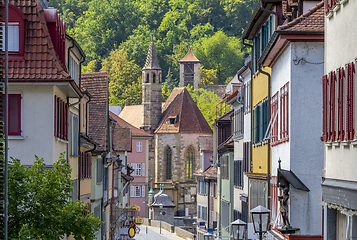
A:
[124,79]
[221,53]
[167,87]
[91,67]
[39,206]
[208,76]
[206,102]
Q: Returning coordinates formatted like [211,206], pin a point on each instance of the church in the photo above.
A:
[177,125]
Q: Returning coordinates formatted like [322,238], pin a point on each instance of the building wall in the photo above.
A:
[259,93]
[37,118]
[306,151]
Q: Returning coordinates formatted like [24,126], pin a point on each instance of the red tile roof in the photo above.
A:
[121,138]
[206,143]
[97,85]
[190,57]
[40,58]
[135,132]
[209,173]
[311,21]
[182,110]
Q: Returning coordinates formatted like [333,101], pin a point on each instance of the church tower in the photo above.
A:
[190,70]
[151,94]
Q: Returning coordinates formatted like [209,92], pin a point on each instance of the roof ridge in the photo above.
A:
[300,18]
[95,73]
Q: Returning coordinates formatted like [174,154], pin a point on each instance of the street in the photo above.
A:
[154,233]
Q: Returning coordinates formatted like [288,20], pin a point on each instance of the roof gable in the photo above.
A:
[40,60]
[181,115]
[190,57]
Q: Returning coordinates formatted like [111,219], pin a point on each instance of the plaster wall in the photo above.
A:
[306,148]
[85,186]
[73,163]
[228,192]
[138,157]
[237,203]
[238,149]
[260,158]
[37,126]
[340,37]
[340,49]
[139,202]
[280,75]
[206,156]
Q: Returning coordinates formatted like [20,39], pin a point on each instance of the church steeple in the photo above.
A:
[152,62]
[151,94]
[190,70]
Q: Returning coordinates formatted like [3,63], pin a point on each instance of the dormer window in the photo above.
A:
[14,43]
[172,120]
[16,31]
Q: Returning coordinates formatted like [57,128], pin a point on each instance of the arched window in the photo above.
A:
[168,163]
[147,78]
[190,163]
[153,77]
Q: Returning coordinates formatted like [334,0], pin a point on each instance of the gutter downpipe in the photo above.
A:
[269,100]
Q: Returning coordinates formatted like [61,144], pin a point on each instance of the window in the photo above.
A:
[86,165]
[202,161]
[74,69]
[238,122]
[153,77]
[190,163]
[14,118]
[99,170]
[202,187]
[247,98]
[73,134]
[213,187]
[238,174]
[247,156]
[257,193]
[74,193]
[139,146]
[225,213]
[261,40]
[280,116]
[338,104]
[225,167]
[139,169]
[202,212]
[147,78]
[14,43]
[60,118]
[168,162]
[97,211]
[137,191]
[260,121]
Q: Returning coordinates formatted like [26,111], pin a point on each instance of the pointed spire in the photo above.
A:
[190,57]
[152,62]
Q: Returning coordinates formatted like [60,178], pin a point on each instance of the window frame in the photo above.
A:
[139,146]
[19,134]
[190,163]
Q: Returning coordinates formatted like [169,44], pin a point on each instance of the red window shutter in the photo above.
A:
[341,78]
[90,164]
[350,99]
[14,118]
[281,115]
[324,108]
[55,120]
[332,103]
[352,132]
[82,165]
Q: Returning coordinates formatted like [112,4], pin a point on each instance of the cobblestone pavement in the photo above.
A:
[154,234]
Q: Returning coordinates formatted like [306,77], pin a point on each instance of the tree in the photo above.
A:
[221,53]
[124,79]
[91,67]
[39,206]
[206,102]
[167,87]
[208,76]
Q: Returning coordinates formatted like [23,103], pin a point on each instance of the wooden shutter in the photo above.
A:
[65,121]
[350,102]
[332,105]
[341,78]
[287,110]
[132,191]
[14,114]
[352,130]
[324,108]
[143,169]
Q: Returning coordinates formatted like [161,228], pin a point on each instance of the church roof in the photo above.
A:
[181,115]
[152,62]
[190,57]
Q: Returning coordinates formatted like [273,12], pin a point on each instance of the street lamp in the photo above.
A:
[208,236]
[194,229]
[161,207]
[238,228]
[260,216]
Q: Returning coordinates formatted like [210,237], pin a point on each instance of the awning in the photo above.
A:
[290,177]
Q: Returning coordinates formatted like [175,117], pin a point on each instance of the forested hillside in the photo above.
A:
[120,30]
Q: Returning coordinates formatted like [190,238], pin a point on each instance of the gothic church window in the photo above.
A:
[190,162]
[147,78]
[153,77]
[168,162]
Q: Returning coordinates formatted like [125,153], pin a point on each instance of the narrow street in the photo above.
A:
[154,234]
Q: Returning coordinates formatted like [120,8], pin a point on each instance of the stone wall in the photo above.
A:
[220,90]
